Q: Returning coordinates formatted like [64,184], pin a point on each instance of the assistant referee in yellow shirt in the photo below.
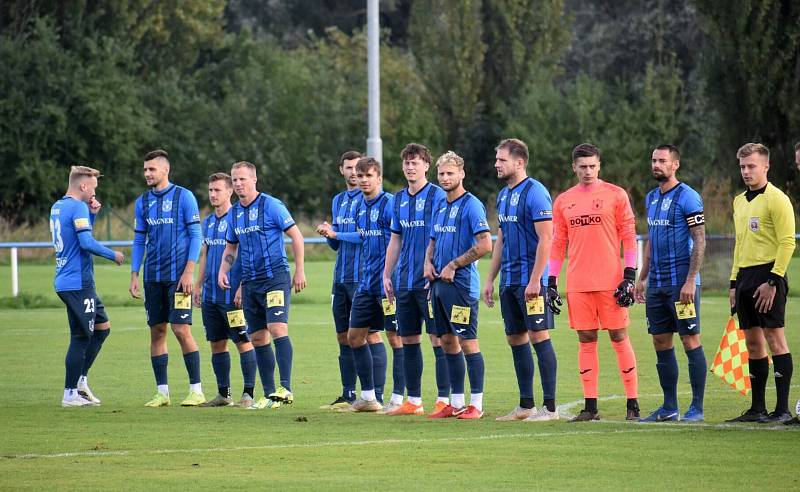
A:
[764,220]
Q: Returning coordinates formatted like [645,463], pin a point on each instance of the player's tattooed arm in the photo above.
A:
[695,262]
[698,251]
[483,245]
[229,259]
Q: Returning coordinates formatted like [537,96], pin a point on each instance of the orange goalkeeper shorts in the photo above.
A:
[596,311]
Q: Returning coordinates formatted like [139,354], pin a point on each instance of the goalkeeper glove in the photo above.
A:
[553,299]
[624,292]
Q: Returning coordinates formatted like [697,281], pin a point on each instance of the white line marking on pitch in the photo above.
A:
[341,443]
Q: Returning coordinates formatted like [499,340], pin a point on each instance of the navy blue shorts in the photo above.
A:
[341,302]
[266,301]
[84,311]
[662,314]
[162,306]
[515,311]
[454,311]
[413,307]
[224,321]
[367,312]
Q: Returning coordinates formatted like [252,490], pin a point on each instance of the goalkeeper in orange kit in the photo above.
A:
[590,220]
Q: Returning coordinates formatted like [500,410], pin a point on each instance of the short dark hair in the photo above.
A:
[416,150]
[349,156]
[585,150]
[515,147]
[221,177]
[155,154]
[673,151]
[366,163]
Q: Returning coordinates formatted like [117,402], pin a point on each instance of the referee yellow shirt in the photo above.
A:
[764,230]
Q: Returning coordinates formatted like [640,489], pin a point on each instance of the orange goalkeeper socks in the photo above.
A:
[626,360]
[589,367]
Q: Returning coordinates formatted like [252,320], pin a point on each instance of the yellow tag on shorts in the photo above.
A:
[388,309]
[535,306]
[460,315]
[274,298]
[235,318]
[183,301]
[430,309]
[685,311]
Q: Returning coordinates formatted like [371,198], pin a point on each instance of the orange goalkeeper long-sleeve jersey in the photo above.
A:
[592,221]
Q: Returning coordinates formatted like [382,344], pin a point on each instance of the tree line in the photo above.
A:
[283,85]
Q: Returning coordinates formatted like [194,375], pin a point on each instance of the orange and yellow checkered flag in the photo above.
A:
[731,362]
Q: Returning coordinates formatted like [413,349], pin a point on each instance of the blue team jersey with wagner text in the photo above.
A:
[348,255]
[373,219]
[455,225]
[412,218]
[164,218]
[518,210]
[670,216]
[214,231]
[74,265]
[258,229]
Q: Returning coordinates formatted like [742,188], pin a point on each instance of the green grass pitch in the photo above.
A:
[122,445]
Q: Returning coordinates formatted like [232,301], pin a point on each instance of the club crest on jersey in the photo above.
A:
[597,204]
[253,215]
[755,224]
[373,215]
[166,206]
[666,203]
[453,212]
[223,226]
[514,199]
[420,205]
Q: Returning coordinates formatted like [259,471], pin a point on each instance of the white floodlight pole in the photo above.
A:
[374,143]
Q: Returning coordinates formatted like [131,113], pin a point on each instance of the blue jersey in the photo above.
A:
[412,219]
[214,231]
[373,219]
[165,219]
[258,229]
[669,217]
[70,219]
[348,255]
[518,209]
[455,225]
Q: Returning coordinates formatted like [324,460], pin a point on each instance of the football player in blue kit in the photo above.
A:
[256,225]
[403,278]
[167,237]
[671,261]
[71,220]
[223,317]
[521,253]
[459,237]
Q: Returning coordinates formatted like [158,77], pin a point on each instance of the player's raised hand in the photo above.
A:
[326,230]
[625,290]
[388,288]
[94,206]
[487,294]
[222,280]
[299,281]
[134,287]
[554,301]
[119,258]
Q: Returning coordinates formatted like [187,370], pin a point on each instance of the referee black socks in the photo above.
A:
[783,379]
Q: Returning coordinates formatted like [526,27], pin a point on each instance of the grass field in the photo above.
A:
[122,445]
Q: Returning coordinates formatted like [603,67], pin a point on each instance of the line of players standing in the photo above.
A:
[411,258]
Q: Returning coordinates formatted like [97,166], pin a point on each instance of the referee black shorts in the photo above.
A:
[747,281]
